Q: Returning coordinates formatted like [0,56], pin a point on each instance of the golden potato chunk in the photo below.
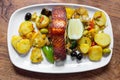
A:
[84,40]
[23,46]
[97,14]
[26,28]
[37,40]
[42,21]
[14,40]
[102,39]
[70,12]
[36,55]
[84,48]
[100,18]
[82,11]
[95,53]
[34,16]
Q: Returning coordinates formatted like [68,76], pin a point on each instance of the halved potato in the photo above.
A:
[37,40]
[84,48]
[92,32]
[42,21]
[95,53]
[84,40]
[82,11]
[23,46]
[25,28]
[97,14]
[100,18]
[36,55]
[102,39]
[14,40]
[70,12]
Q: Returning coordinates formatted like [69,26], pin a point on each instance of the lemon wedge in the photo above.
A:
[75,29]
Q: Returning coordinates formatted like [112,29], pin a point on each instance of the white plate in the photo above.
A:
[45,67]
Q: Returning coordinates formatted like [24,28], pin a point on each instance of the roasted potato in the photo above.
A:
[84,40]
[84,48]
[99,18]
[42,21]
[37,40]
[92,33]
[36,55]
[97,14]
[95,53]
[22,46]
[97,28]
[81,13]
[34,16]
[26,28]
[14,40]
[102,39]
[70,12]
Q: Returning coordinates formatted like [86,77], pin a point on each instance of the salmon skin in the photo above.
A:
[57,31]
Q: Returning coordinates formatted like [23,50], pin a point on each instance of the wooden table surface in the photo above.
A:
[10,72]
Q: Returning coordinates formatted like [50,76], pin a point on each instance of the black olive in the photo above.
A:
[73,54]
[28,16]
[49,13]
[79,56]
[46,12]
[43,11]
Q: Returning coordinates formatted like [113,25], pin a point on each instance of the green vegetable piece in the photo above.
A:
[73,44]
[44,31]
[106,51]
[48,51]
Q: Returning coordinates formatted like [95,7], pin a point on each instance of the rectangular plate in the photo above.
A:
[45,67]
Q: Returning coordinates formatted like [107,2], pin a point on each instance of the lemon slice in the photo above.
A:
[75,29]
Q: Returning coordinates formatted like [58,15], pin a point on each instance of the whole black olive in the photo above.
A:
[28,16]
[73,54]
[79,56]
[46,12]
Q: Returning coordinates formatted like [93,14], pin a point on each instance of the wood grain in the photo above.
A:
[10,72]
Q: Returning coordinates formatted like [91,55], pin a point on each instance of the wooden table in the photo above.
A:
[10,72]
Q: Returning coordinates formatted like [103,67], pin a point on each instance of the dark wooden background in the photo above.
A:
[10,72]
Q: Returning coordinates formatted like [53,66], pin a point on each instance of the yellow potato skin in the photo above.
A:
[80,12]
[25,28]
[44,23]
[37,40]
[70,12]
[100,18]
[14,40]
[97,14]
[36,55]
[102,39]
[84,40]
[23,46]
[95,53]
[84,48]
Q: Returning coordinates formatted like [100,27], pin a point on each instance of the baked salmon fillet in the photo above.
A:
[57,32]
